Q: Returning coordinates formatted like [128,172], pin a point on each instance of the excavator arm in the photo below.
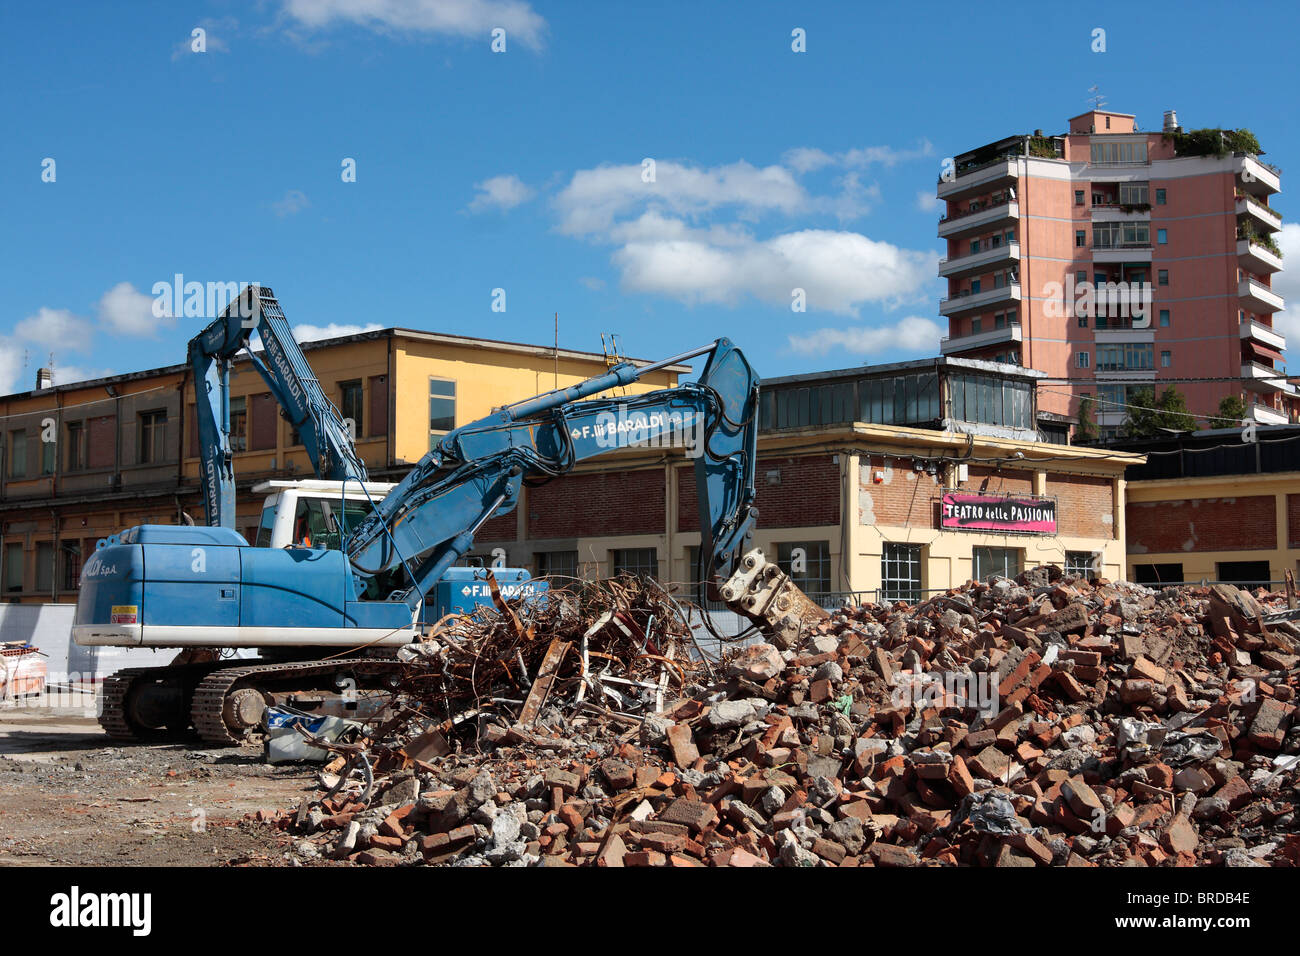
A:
[430,520]
[285,370]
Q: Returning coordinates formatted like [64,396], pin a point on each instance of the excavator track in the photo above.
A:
[112,709]
[208,709]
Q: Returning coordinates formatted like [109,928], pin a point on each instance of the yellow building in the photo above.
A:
[86,460]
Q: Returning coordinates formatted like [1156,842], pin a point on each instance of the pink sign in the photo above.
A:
[1026,514]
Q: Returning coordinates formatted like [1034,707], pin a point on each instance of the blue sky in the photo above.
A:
[523,170]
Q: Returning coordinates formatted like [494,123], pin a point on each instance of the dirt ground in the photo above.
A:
[71,796]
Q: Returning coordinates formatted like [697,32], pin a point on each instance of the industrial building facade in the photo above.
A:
[88,459]
[885,481]
[1115,259]
[1211,506]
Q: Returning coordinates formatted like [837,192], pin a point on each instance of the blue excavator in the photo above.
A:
[327,617]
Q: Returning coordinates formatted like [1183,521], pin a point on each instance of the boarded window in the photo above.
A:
[263,415]
[102,442]
[378,406]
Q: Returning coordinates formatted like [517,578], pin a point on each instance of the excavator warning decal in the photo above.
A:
[125,614]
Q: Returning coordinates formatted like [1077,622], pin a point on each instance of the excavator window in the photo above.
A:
[316,522]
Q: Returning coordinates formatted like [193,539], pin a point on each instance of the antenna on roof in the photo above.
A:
[1097,100]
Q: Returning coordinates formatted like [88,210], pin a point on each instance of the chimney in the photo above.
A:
[1171,121]
[44,378]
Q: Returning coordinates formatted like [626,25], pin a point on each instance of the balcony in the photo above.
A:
[1263,415]
[979,340]
[1258,297]
[1256,177]
[1113,212]
[986,218]
[1264,217]
[1122,252]
[998,172]
[1261,378]
[1252,331]
[986,261]
[1255,257]
[974,301]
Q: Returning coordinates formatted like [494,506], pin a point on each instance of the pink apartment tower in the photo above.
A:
[1114,259]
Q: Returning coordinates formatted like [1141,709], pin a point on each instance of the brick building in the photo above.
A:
[1056,243]
[1211,507]
[853,472]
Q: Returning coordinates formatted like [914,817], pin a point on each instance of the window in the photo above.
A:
[1246,574]
[1160,197]
[1165,358]
[318,523]
[1082,359]
[1121,235]
[976,325]
[71,579]
[1155,574]
[990,400]
[1162,277]
[1011,235]
[1164,318]
[900,572]
[1078,197]
[75,456]
[239,423]
[18,454]
[642,562]
[563,563]
[1080,239]
[44,566]
[989,561]
[266,527]
[974,246]
[1083,321]
[995,241]
[1162,236]
[13,558]
[974,286]
[1125,357]
[151,440]
[48,462]
[1133,152]
[350,405]
[1081,276]
[809,565]
[1133,194]
[1082,564]
[442,408]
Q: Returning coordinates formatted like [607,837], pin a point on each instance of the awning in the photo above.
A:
[1263,351]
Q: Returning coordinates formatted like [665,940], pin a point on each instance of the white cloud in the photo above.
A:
[838,271]
[129,312]
[67,374]
[11,365]
[294,202]
[310,333]
[592,283]
[928,201]
[691,233]
[460,18]
[595,198]
[1287,284]
[501,192]
[805,159]
[913,334]
[54,327]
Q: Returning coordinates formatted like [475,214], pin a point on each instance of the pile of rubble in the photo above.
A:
[1041,721]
